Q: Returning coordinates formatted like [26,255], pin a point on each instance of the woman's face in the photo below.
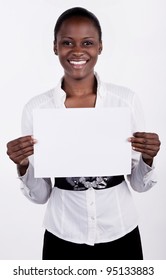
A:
[78,46]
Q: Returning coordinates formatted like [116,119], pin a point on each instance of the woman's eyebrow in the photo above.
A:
[65,37]
[71,38]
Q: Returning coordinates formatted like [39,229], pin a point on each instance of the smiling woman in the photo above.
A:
[86,216]
[78,43]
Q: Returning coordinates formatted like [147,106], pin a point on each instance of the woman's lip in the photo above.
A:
[77,62]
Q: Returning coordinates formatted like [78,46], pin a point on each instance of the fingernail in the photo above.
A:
[34,140]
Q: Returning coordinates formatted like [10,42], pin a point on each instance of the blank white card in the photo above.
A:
[81,142]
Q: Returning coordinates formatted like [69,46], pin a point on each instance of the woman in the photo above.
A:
[86,217]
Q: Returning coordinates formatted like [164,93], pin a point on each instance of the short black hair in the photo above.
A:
[77,12]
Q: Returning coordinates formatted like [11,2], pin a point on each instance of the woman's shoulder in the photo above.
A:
[118,95]
[113,90]
[118,90]
[43,100]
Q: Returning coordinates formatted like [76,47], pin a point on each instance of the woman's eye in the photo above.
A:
[88,43]
[67,43]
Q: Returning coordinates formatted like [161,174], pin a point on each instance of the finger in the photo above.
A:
[22,152]
[149,150]
[20,147]
[20,144]
[148,135]
[146,144]
[18,140]
[146,152]
[20,158]
[148,138]
[24,162]
[145,148]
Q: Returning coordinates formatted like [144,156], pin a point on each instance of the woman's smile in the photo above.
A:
[77,46]
[77,64]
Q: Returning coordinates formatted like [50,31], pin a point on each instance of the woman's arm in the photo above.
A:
[142,176]
[145,147]
[38,190]
[19,150]
[148,144]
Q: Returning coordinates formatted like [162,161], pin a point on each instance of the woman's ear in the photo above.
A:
[55,48]
[100,48]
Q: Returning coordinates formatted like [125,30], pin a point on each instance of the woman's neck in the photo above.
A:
[79,88]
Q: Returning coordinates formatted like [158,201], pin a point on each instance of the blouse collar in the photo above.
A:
[60,94]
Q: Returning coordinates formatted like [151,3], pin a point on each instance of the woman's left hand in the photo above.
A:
[146,143]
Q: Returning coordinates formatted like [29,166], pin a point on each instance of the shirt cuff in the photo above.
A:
[147,172]
[29,170]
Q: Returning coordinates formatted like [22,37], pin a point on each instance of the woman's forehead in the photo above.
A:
[79,24]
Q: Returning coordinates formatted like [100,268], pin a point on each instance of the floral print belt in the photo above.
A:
[84,183]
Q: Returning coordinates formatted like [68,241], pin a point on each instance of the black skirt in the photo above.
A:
[127,247]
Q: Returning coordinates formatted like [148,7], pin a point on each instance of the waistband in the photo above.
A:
[84,183]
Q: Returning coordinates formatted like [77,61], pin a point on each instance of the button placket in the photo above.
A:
[91,209]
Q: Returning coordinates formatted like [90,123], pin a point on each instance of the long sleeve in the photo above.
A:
[142,177]
[37,190]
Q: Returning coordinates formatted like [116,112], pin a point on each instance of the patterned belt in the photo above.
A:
[84,183]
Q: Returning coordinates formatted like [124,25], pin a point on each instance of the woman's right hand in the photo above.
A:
[19,150]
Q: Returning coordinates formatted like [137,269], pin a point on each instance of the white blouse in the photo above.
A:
[90,216]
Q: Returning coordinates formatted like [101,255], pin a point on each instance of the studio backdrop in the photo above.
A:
[134,44]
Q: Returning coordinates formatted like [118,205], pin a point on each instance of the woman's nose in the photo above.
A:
[77,51]
[77,54]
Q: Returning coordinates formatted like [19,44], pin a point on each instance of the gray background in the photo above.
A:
[134,39]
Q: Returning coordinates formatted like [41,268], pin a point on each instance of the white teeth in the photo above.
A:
[77,62]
